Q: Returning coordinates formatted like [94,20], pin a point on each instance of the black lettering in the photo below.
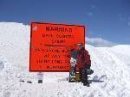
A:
[58,29]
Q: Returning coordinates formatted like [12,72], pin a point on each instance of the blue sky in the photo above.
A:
[107,19]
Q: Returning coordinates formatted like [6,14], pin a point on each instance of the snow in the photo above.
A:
[111,67]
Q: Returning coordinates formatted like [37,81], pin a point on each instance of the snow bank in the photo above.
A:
[14,42]
[110,64]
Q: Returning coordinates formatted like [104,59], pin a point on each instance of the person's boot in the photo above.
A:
[86,84]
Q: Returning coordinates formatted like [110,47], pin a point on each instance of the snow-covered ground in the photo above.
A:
[110,79]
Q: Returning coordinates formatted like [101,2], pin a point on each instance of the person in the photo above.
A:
[83,63]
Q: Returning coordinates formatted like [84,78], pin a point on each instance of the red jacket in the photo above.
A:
[83,59]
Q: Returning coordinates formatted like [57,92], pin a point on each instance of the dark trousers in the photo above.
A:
[84,75]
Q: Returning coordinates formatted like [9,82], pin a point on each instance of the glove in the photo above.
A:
[89,71]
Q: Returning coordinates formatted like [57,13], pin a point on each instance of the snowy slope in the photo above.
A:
[111,66]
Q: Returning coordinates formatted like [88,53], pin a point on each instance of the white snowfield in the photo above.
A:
[111,67]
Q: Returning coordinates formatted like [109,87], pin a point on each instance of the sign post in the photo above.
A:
[50,46]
